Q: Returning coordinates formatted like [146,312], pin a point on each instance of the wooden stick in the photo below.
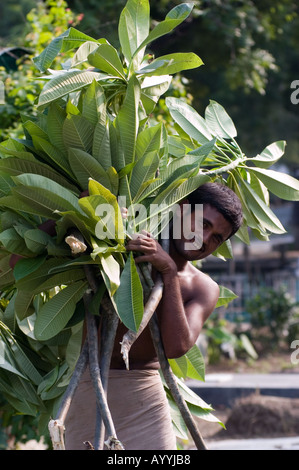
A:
[112,441]
[56,426]
[172,385]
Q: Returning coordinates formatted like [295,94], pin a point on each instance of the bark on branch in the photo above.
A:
[172,385]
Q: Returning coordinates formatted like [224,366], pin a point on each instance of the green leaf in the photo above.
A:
[189,120]
[261,211]
[100,202]
[195,364]
[36,240]
[84,166]
[270,155]
[6,273]
[81,55]
[171,63]
[110,270]
[94,104]
[14,243]
[78,133]
[54,192]
[173,18]
[133,28]
[56,313]
[66,83]
[281,184]
[143,171]
[101,145]
[24,267]
[16,166]
[219,122]
[68,40]
[129,296]
[149,140]
[106,59]
[225,296]
[224,251]
[56,156]
[127,121]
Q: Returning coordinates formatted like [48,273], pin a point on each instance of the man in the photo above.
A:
[136,398]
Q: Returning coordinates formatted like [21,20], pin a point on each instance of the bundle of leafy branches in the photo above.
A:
[92,141]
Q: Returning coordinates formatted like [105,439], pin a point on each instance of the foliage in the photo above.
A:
[22,86]
[274,309]
[93,131]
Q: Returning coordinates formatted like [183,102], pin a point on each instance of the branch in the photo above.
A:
[112,442]
[108,331]
[172,385]
[56,426]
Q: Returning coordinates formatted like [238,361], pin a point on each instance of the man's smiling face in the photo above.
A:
[215,230]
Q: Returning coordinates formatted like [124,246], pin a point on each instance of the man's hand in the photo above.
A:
[152,252]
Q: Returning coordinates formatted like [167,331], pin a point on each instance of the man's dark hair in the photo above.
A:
[223,199]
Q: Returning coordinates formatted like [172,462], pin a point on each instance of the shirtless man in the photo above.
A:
[136,397]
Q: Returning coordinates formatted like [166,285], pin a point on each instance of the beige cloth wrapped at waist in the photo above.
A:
[139,409]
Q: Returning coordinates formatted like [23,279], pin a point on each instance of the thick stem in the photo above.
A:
[73,384]
[172,385]
[109,326]
[95,375]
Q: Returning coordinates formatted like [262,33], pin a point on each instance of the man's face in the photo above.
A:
[215,230]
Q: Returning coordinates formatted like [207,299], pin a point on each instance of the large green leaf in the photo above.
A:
[129,296]
[56,313]
[133,28]
[106,59]
[171,63]
[78,133]
[149,140]
[14,243]
[66,83]
[173,18]
[270,155]
[55,192]
[261,211]
[57,157]
[84,166]
[219,122]
[17,166]
[68,40]
[94,104]
[191,365]
[143,171]
[280,184]
[127,121]
[189,120]
[101,145]
[102,208]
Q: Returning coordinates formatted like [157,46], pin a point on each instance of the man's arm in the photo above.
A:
[180,319]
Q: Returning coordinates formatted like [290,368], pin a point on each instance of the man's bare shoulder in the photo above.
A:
[204,284]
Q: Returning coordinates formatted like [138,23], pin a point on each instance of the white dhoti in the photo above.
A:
[138,406]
